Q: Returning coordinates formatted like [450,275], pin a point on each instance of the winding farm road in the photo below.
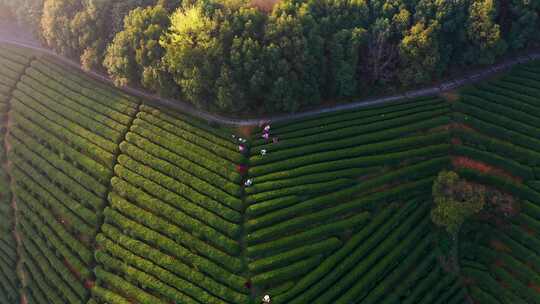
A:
[12,34]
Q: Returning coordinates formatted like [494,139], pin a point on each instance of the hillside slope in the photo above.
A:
[117,201]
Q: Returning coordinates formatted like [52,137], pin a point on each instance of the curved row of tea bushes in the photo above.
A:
[337,120]
[348,169]
[12,66]
[64,138]
[173,225]
[500,261]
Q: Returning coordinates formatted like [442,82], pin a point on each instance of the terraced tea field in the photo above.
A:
[105,198]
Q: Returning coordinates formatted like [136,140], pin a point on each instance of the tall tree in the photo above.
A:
[389,21]
[56,26]
[419,53]
[524,24]
[134,56]
[485,42]
[213,52]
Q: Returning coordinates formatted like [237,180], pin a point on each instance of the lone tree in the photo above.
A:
[455,200]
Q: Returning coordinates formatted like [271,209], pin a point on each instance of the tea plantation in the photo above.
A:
[105,198]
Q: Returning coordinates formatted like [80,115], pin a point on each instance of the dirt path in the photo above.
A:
[18,38]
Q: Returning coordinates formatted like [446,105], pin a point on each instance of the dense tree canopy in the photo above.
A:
[238,55]
[134,55]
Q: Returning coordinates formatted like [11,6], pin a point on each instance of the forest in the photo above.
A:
[238,56]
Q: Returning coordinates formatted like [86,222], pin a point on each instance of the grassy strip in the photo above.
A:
[482,296]
[194,206]
[13,65]
[530,209]
[321,272]
[107,97]
[33,208]
[401,272]
[230,153]
[483,279]
[510,151]
[198,167]
[152,221]
[500,107]
[259,187]
[37,244]
[306,189]
[509,124]
[332,117]
[176,151]
[346,123]
[117,114]
[528,101]
[132,274]
[81,177]
[339,263]
[72,114]
[528,222]
[167,174]
[347,158]
[126,288]
[283,274]
[173,265]
[70,186]
[305,237]
[108,296]
[8,276]
[346,208]
[508,185]
[52,277]
[80,78]
[67,134]
[197,228]
[423,169]
[194,126]
[15,54]
[172,246]
[436,291]
[256,210]
[187,291]
[284,259]
[348,286]
[499,132]
[93,110]
[516,85]
[509,165]
[31,290]
[526,294]
[41,281]
[84,220]
[104,143]
[353,140]
[83,162]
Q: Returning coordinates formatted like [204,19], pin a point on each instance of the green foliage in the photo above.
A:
[455,200]
[212,52]
[483,33]
[134,55]
[420,54]
[220,55]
